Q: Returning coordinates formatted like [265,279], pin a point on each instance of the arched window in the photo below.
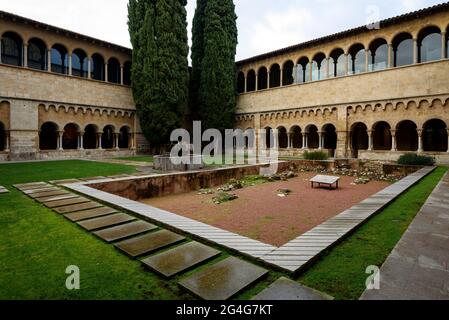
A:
[113,70]
[12,48]
[337,64]
[382,136]
[357,59]
[275,76]
[282,138]
[107,138]
[98,67]
[2,136]
[90,137]
[70,137]
[429,44]
[123,141]
[318,67]
[303,70]
[330,137]
[379,55]
[296,136]
[59,59]
[37,54]
[435,136]
[48,136]
[241,82]
[407,136]
[127,73]
[251,81]
[262,78]
[79,63]
[403,49]
[359,135]
[287,73]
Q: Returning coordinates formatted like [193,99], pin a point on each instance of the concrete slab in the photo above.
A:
[90,214]
[288,290]
[104,222]
[148,243]
[180,259]
[29,186]
[65,181]
[48,194]
[125,231]
[66,202]
[57,198]
[223,280]
[40,190]
[78,207]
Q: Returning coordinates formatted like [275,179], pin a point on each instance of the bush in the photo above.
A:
[414,159]
[318,155]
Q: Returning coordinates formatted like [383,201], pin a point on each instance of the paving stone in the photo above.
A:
[49,194]
[78,207]
[89,214]
[93,178]
[57,198]
[149,243]
[180,259]
[66,202]
[223,280]
[3,190]
[33,185]
[104,222]
[66,181]
[125,231]
[119,176]
[288,290]
[40,190]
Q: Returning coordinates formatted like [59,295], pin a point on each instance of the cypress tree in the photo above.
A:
[217,85]
[158,30]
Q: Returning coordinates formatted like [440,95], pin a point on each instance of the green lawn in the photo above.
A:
[138,159]
[341,273]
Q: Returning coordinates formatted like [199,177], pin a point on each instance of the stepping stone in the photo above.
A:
[46,189]
[93,178]
[104,222]
[223,280]
[62,203]
[125,231]
[66,181]
[57,198]
[180,259]
[3,190]
[89,214]
[78,207]
[31,185]
[289,290]
[59,192]
[149,243]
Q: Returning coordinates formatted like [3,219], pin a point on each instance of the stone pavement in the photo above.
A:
[418,267]
[3,190]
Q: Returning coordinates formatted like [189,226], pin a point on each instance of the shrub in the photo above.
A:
[414,159]
[318,155]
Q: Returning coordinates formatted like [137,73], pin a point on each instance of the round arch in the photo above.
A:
[359,138]
[2,136]
[287,73]
[48,136]
[275,76]
[262,78]
[429,44]
[90,138]
[241,82]
[70,137]
[403,49]
[378,50]
[59,59]
[282,137]
[251,81]
[12,47]
[338,61]
[79,63]
[303,70]
[296,137]
[357,59]
[329,136]
[382,136]
[113,70]
[313,139]
[435,136]
[317,67]
[107,138]
[123,140]
[98,67]
[406,136]
[37,54]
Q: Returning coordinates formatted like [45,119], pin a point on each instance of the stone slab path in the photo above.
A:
[285,289]
[125,231]
[223,280]
[89,214]
[78,207]
[3,190]
[418,267]
[66,202]
[108,221]
[180,259]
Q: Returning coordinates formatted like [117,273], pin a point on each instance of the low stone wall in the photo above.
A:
[441,157]
[399,170]
[83,154]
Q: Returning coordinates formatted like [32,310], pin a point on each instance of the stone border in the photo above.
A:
[292,257]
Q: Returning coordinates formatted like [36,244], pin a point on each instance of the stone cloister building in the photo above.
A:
[373,92]
[63,94]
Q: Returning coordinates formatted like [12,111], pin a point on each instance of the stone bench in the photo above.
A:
[328,181]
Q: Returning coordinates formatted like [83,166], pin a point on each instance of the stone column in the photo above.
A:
[100,142]
[443,45]
[447,140]
[131,140]
[257,82]
[81,141]
[281,77]
[89,68]
[106,76]
[49,60]
[268,79]
[295,74]
[370,140]
[60,133]
[393,141]
[289,141]
[116,135]
[70,63]
[320,140]
[304,141]
[390,56]
[121,75]
[311,70]
[6,141]
[246,84]
[1,39]
[366,60]
[346,64]
[420,141]
[25,55]
[415,50]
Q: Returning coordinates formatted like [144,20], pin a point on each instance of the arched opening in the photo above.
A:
[303,70]
[275,76]
[446,54]
[357,56]
[123,140]
[313,139]
[241,82]
[337,65]
[403,49]
[113,70]
[317,67]
[282,138]
[262,78]
[407,136]
[59,59]
[37,54]
[435,136]
[127,73]
[269,138]
[251,81]
[379,55]
[250,138]
[429,44]
[382,136]
[48,136]
[296,136]
[79,63]
[70,137]
[2,136]
[90,137]
[330,137]
[12,48]
[98,67]
[359,138]
[287,73]
[107,139]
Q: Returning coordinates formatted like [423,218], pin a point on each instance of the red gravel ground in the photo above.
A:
[261,214]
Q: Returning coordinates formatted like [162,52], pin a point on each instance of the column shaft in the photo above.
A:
[443,45]
[89,69]
[415,50]
[121,75]
[390,56]
[346,64]
[106,76]
[70,64]
[49,60]
[393,141]
[420,141]
[366,60]
[370,140]
[25,55]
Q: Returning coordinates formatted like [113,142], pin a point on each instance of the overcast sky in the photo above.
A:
[264,25]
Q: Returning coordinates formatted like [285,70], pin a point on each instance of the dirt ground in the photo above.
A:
[259,213]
